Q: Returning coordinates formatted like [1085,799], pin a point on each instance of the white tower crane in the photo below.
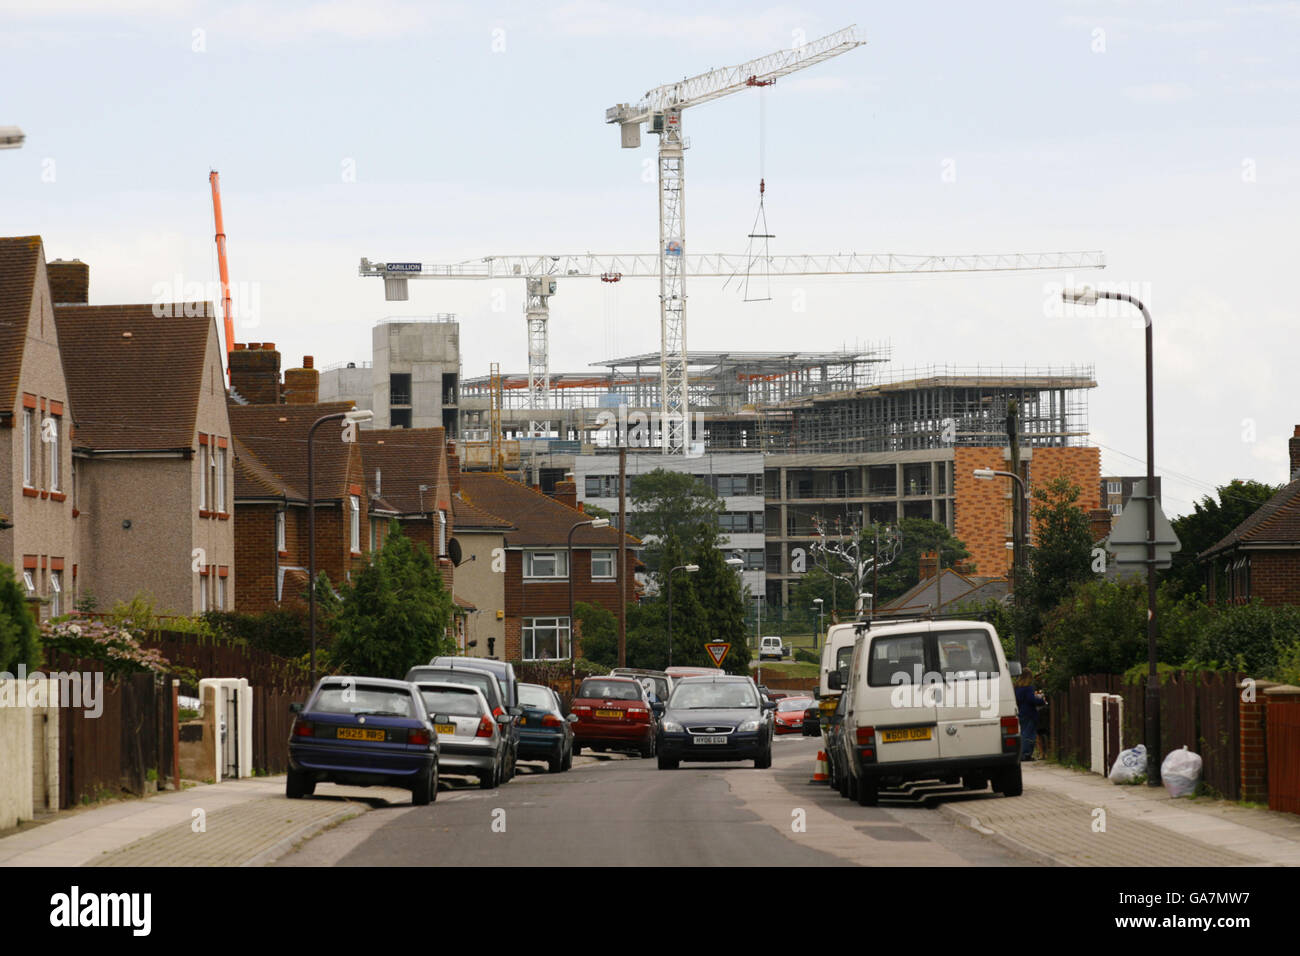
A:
[541,272]
[661,111]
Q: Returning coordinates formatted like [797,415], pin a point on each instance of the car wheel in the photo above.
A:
[668,764]
[765,761]
[577,750]
[868,793]
[1010,783]
[648,750]
[850,786]
[556,763]
[490,780]
[422,794]
[842,783]
[568,760]
[298,785]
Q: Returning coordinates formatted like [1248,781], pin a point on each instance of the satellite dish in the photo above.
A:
[453,552]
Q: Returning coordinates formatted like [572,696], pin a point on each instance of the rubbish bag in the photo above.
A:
[1181,772]
[1130,765]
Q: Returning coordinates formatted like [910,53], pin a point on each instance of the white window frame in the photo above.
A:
[612,557]
[29,463]
[221,593]
[203,592]
[354,502]
[281,540]
[442,534]
[562,636]
[54,453]
[561,558]
[1116,509]
[56,594]
[203,477]
[1114,487]
[29,583]
[219,470]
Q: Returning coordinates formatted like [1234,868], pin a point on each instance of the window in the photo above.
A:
[56,593]
[740,522]
[546,638]
[56,423]
[29,584]
[203,477]
[219,468]
[600,486]
[546,564]
[355,508]
[1114,488]
[203,592]
[1116,508]
[442,534]
[29,436]
[896,660]
[602,564]
[280,542]
[221,594]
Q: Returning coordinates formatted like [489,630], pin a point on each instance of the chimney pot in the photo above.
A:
[308,361]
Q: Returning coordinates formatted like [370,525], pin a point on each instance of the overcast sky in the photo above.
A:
[1164,134]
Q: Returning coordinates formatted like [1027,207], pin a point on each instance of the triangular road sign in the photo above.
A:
[1128,539]
[718,652]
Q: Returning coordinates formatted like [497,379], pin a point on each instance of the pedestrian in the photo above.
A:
[1044,726]
[1027,700]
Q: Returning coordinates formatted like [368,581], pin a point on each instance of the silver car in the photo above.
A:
[471,742]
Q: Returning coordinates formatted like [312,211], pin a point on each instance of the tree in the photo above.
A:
[666,504]
[853,560]
[688,618]
[717,587]
[1062,553]
[599,633]
[19,638]
[1250,636]
[920,535]
[1209,523]
[395,614]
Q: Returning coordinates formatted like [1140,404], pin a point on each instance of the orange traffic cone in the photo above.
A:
[821,772]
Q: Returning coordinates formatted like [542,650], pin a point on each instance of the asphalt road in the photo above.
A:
[616,810]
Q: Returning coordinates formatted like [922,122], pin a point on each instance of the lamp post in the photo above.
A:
[592,523]
[1089,296]
[871,607]
[689,569]
[1018,555]
[818,602]
[353,417]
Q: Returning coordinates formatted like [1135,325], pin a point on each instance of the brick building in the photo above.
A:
[1261,556]
[37,529]
[536,573]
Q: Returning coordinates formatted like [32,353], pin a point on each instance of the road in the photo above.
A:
[616,810]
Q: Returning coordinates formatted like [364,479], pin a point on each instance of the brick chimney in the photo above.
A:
[929,565]
[1099,523]
[1294,447]
[453,468]
[255,372]
[302,385]
[69,281]
[566,493]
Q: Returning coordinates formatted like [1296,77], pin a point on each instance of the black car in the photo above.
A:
[720,718]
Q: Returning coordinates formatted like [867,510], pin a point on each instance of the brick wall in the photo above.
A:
[255,563]
[1252,719]
[1275,576]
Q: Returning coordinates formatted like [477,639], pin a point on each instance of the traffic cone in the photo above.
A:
[820,770]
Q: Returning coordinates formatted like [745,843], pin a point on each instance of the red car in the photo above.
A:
[613,713]
[789,714]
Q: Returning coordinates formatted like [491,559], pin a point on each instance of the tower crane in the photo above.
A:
[542,272]
[214,179]
[661,112]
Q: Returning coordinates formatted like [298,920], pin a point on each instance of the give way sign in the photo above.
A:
[718,652]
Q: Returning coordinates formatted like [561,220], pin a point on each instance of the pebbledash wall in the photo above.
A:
[29,756]
[982,509]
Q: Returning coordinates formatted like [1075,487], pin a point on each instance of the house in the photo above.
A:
[535,562]
[948,590]
[1261,556]
[481,582]
[151,447]
[37,518]
[271,498]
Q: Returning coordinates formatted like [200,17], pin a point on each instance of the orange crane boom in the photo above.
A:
[214,178]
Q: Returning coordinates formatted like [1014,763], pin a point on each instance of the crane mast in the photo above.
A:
[214,181]
[661,110]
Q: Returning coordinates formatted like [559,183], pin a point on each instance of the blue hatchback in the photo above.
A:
[362,732]
[544,732]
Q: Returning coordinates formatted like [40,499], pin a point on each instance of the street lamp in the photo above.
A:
[871,610]
[590,523]
[1018,546]
[354,416]
[1089,296]
[11,137]
[818,602]
[689,569]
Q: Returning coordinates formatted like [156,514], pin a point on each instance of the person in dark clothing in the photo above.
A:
[1027,701]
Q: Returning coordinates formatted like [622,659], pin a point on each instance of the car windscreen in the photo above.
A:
[610,690]
[538,697]
[362,699]
[453,702]
[711,695]
[794,703]
[896,659]
[484,682]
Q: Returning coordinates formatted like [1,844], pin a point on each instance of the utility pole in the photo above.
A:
[1017,522]
[622,554]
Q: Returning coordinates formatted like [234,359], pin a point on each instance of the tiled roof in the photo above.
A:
[956,588]
[18,258]
[134,392]
[1276,521]
[406,458]
[538,519]
[467,517]
[277,437]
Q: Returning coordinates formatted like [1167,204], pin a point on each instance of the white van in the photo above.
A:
[836,654]
[928,700]
[771,647]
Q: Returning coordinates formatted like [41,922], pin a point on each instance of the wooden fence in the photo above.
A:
[1284,755]
[1198,709]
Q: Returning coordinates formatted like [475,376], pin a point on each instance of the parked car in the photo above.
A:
[718,718]
[614,713]
[504,671]
[545,733]
[929,700]
[363,732]
[789,714]
[485,681]
[680,671]
[812,721]
[662,683]
[471,740]
[771,647]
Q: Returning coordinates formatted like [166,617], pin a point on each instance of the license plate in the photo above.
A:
[357,733]
[906,733]
[445,728]
[609,713]
[709,740]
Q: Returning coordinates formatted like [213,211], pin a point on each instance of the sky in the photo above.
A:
[1163,134]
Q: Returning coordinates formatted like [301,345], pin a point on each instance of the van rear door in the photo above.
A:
[967,710]
[895,700]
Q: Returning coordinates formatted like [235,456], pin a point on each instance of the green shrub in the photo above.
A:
[806,656]
[1251,637]
[20,641]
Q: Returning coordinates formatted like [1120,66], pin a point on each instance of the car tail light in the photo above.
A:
[637,713]
[581,709]
[550,720]
[867,742]
[1010,731]
[485,726]
[497,711]
[419,738]
[303,728]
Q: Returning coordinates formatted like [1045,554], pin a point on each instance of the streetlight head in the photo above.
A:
[358,415]
[734,562]
[692,568]
[1085,296]
[817,601]
[600,522]
[11,137]
[984,474]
